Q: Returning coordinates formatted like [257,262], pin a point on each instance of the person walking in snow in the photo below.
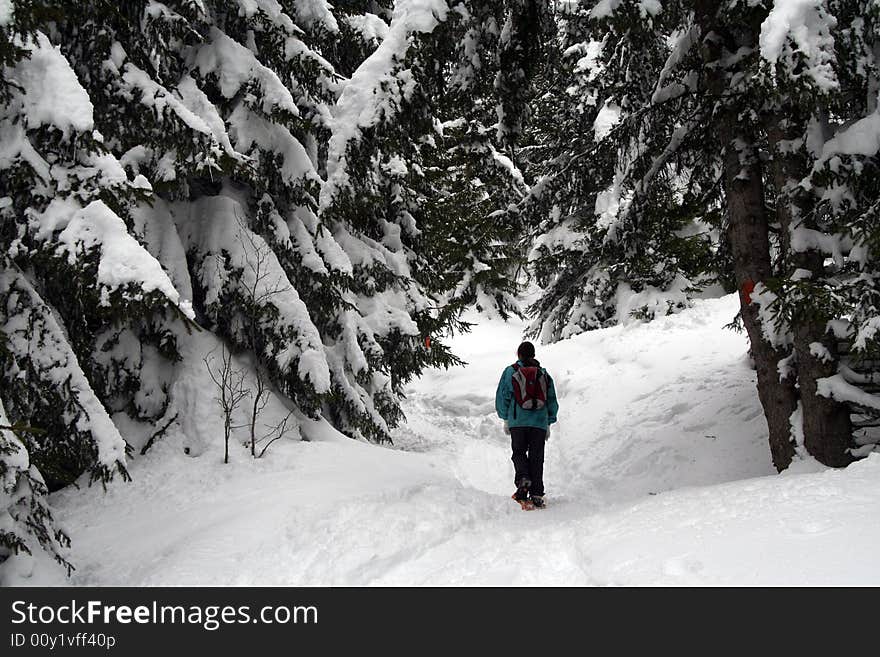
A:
[526,401]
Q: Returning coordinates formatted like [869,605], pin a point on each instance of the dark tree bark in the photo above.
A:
[827,424]
[750,243]
[748,224]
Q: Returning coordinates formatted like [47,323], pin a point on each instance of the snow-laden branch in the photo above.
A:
[684,44]
[40,345]
[376,87]
[838,388]
[797,31]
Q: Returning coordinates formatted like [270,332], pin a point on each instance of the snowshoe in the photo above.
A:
[525,502]
[521,495]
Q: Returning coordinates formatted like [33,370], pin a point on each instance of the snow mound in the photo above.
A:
[658,473]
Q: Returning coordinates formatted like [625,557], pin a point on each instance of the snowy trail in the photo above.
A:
[644,408]
[657,473]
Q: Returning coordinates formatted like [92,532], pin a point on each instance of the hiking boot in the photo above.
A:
[538,501]
[522,490]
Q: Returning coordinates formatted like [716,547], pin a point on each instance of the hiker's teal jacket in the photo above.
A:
[516,416]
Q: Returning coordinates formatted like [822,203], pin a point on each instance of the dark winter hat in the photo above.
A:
[526,351]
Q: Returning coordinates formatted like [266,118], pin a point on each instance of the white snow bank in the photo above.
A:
[653,419]
[790,530]
[644,407]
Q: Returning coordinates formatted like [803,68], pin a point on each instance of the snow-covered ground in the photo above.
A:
[658,473]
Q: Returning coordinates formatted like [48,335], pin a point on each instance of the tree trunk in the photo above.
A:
[750,243]
[827,425]
[748,231]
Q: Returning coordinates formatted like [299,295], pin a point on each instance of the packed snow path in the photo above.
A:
[658,472]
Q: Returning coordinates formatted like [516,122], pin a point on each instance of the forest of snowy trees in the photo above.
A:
[328,186]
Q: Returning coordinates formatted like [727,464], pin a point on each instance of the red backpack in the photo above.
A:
[529,387]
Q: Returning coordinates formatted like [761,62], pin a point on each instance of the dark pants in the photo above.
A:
[528,457]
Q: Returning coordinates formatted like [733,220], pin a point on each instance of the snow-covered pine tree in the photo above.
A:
[796,51]
[422,229]
[618,232]
[472,221]
[791,93]
[74,284]
[826,67]
[526,29]
[366,206]
[772,83]
[154,152]
[26,524]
